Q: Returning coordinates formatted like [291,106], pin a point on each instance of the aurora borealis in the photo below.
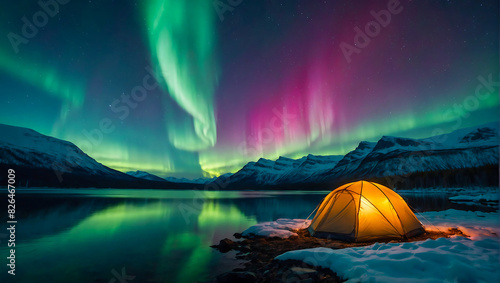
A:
[182,36]
[268,79]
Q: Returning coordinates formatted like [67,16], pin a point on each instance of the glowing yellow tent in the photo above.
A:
[364,211]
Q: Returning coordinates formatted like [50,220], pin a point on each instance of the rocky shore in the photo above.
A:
[259,252]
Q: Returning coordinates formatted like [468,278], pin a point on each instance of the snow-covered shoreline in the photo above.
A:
[487,197]
[281,228]
[458,190]
[454,259]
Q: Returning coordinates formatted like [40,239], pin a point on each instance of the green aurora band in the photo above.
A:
[182,41]
[46,78]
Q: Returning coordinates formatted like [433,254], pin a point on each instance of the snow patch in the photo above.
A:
[282,228]
[456,259]
[443,260]
[458,190]
[476,198]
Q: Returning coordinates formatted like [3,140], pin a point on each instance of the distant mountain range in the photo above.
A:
[467,156]
[464,157]
[145,176]
[284,171]
[149,176]
[201,181]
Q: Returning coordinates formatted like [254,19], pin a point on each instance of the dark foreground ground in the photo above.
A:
[259,252]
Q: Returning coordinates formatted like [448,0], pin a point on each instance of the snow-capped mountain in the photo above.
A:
[44,161]
[25,147]
[464,148]
[145,175]
[149,176]
[264,171]
[468,155]
[388,157]
[310,168]
[349,163]
[284,170]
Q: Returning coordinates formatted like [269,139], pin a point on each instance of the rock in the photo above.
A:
[260,242]
[245,249]
[256,260]
[242,256]
[299,274]
[237,235]
[240,277]
[227,241]
[225,245]
[335,246]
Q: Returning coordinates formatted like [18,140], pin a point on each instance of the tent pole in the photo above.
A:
[310,215]
[423,217]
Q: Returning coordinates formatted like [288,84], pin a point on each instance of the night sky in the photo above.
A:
[262,79]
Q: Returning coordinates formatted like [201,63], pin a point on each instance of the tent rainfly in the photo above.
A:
[364,211]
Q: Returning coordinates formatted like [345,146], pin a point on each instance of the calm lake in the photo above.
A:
[109,235]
